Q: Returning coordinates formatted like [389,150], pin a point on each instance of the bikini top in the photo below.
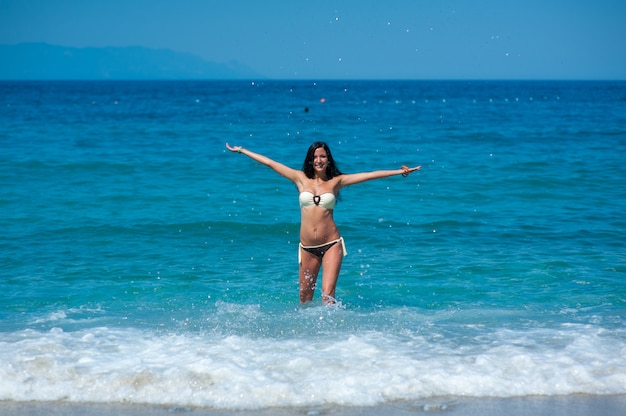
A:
[326,200]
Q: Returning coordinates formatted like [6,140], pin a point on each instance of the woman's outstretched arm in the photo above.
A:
[286,171]
[352,179]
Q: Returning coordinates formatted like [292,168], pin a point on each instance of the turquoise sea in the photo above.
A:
[143,263]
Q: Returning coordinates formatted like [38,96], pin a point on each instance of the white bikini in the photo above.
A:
[326,200]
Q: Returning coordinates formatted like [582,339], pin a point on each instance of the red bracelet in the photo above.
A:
[406,170]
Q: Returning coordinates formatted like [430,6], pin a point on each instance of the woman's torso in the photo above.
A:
[317,200]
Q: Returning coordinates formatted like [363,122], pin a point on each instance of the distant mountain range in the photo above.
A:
[42,61]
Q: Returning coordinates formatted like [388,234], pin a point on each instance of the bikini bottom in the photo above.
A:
[319,251]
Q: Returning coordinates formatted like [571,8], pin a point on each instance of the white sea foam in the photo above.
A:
[365,368]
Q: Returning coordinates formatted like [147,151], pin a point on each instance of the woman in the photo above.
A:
[319,183]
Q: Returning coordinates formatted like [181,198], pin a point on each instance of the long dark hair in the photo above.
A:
[307,167]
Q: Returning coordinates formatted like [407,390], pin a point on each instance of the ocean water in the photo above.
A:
[143,263]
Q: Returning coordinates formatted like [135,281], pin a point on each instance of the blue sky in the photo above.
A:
[419,39]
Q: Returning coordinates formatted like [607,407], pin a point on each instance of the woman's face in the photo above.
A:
[320,160]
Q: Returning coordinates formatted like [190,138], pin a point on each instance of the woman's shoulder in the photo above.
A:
[340,179]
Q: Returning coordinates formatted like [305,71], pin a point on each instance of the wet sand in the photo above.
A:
[573,405]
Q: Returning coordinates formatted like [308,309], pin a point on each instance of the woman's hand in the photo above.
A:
[236,149]
[406,170]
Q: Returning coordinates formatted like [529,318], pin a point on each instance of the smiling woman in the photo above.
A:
[319,182]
